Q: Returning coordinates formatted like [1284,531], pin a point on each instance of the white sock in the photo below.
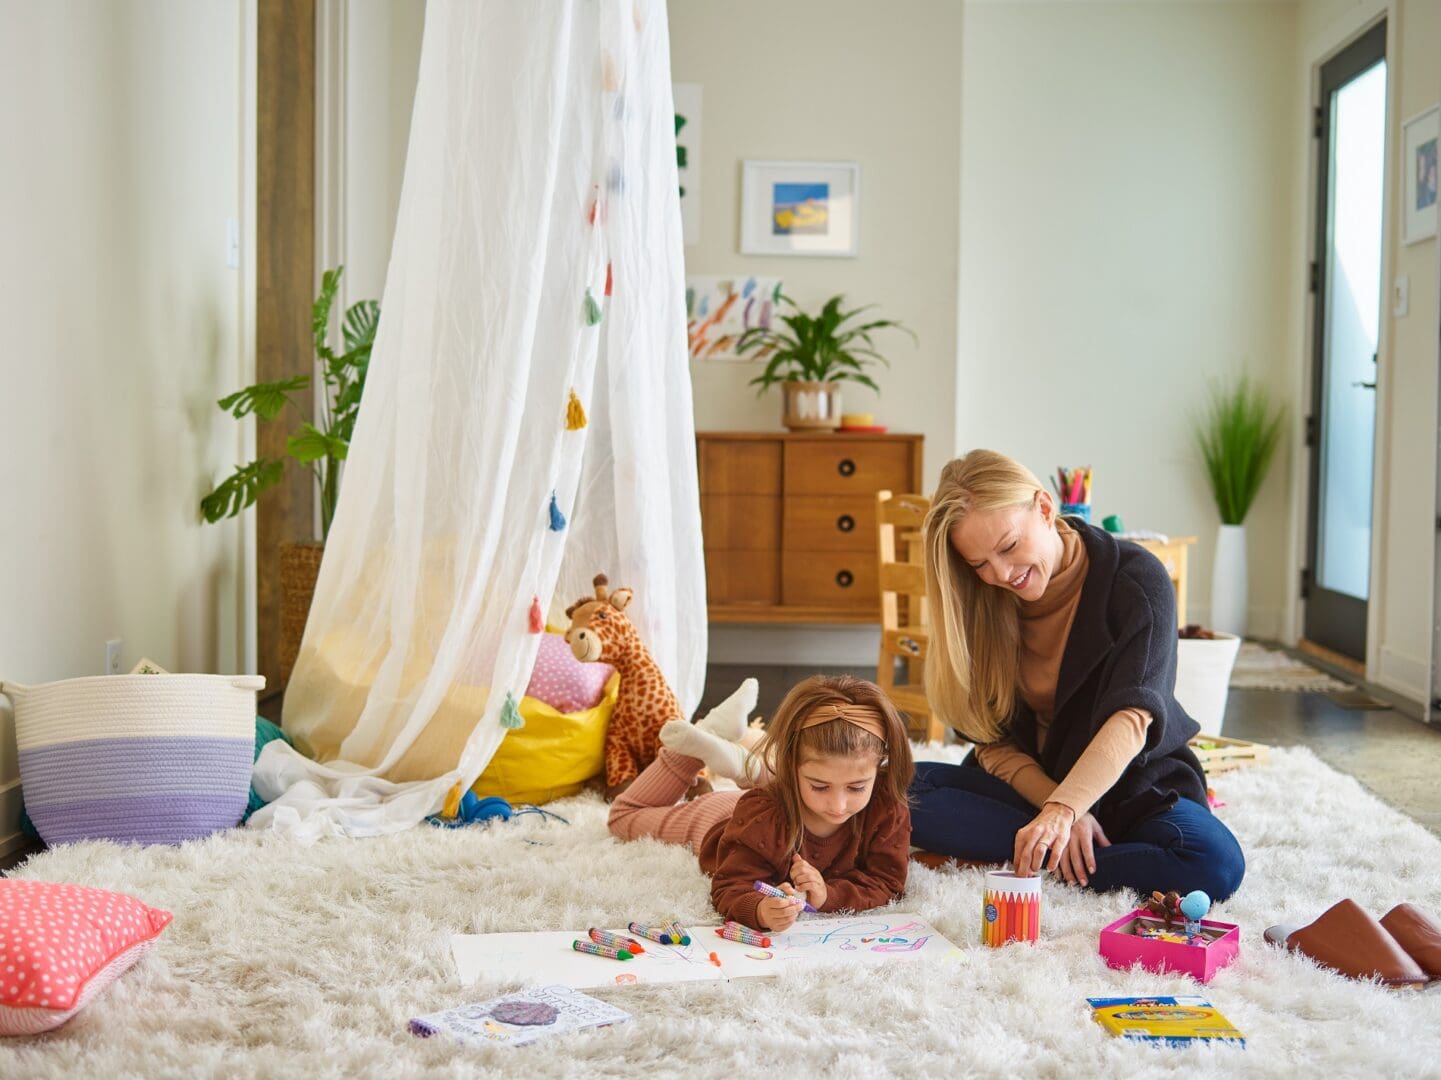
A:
[722,757]
[728,719]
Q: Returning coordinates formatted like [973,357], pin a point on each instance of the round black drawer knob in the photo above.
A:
[847,467]
[844,579]
[845,523]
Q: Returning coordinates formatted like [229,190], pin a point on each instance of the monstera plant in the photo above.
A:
[321,443]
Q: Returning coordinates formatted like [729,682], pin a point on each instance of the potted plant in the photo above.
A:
[812,355]
[1237,435]
[320,446]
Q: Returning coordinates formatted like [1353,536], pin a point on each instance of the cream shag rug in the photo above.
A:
[1260,668]
[307,962]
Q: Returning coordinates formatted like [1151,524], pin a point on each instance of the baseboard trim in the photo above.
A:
[1403,674]
[821,646]
[11,838]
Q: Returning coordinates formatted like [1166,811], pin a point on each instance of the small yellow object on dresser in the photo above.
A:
[858,419]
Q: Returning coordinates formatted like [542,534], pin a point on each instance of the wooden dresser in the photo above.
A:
[789,521]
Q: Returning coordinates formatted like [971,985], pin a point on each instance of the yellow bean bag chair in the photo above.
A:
[553,755]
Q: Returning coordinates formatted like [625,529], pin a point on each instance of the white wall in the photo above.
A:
[848,80]
[381,62]
[1401,629]
[123,148]
[1125,236]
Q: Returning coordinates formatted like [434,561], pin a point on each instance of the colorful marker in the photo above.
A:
[680,932]
[771,890]
[663,934]
[734,931]
[615,941]
[602,950]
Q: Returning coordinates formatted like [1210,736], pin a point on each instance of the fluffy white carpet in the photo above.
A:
[285,961]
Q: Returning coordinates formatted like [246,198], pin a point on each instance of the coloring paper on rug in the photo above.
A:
[546,957]
[487,1023]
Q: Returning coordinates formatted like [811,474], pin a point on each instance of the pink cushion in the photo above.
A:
[562,681]
[61,945]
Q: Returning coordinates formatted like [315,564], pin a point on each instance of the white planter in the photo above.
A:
[1228,581]
[1203,678]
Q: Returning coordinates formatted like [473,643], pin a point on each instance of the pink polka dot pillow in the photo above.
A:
[61,945]
[562,681]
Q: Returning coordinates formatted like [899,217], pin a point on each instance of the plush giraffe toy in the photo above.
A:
[599,630]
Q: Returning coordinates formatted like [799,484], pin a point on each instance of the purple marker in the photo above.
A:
[771,890]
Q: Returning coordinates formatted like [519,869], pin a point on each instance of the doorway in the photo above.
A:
[1350,128]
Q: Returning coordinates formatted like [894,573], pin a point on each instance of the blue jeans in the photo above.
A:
[964,811]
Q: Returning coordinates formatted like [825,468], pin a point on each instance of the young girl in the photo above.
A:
[825,818]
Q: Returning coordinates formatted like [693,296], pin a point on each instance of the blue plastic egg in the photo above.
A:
[1194,905]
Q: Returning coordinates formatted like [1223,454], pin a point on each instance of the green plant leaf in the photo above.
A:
[361,322]
[241,488]
[1237,434]
[320,310]
[265,400]
[309,444]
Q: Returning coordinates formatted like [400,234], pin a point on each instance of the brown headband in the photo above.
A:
[865,717]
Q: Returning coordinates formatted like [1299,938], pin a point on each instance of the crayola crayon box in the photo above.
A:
[1172,1021]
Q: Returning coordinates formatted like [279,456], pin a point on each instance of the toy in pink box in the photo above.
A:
[1142,938]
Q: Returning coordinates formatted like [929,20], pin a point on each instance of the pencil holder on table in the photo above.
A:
[1080,510]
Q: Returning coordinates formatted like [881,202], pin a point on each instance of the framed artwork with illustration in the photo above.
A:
[800,208]
[1421,137]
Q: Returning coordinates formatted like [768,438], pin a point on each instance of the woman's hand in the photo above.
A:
[777,914]
[808,879]
[1078,861]
[1042,843]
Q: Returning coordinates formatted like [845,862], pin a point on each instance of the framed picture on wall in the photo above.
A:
[1420,142]
[800,208]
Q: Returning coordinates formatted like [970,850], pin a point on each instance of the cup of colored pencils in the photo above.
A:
[1073,488]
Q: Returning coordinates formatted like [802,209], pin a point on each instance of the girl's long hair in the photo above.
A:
[974,655]
[787,744]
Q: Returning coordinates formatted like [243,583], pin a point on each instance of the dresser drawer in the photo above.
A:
[741,522]
[743,577]
[740,467]
[846,467]
[830,523]
[834,579]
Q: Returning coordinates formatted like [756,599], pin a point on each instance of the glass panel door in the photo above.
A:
[1352,138]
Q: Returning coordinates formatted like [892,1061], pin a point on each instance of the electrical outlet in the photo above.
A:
[112,655]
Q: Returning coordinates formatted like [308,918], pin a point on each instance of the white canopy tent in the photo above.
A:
[541,168]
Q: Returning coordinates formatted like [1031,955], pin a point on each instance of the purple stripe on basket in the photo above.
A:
[150,790]
[151,819]
[113,768]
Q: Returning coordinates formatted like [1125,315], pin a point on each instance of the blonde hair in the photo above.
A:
[974,654]
[788,744]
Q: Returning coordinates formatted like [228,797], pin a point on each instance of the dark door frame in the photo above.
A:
[1337,610]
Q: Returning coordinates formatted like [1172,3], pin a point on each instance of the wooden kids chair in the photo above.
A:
[902,584]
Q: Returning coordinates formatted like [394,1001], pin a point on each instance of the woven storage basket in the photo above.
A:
[299,569]
[153,759]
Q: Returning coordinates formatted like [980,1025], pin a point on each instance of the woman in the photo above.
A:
[1053,648]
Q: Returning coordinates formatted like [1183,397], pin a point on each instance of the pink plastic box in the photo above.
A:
[1121,948]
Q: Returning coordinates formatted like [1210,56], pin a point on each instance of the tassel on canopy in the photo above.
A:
[557,519]
[537,619]
[574,413]
[510,717]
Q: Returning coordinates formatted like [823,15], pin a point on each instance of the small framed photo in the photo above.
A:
[1420,142]
[800,208]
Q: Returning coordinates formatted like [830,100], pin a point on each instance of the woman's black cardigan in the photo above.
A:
[1120,653]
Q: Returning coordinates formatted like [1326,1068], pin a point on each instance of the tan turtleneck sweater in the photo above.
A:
[1045,625]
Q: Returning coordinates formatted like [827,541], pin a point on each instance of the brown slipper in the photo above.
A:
[1348,940]
[1417,933]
